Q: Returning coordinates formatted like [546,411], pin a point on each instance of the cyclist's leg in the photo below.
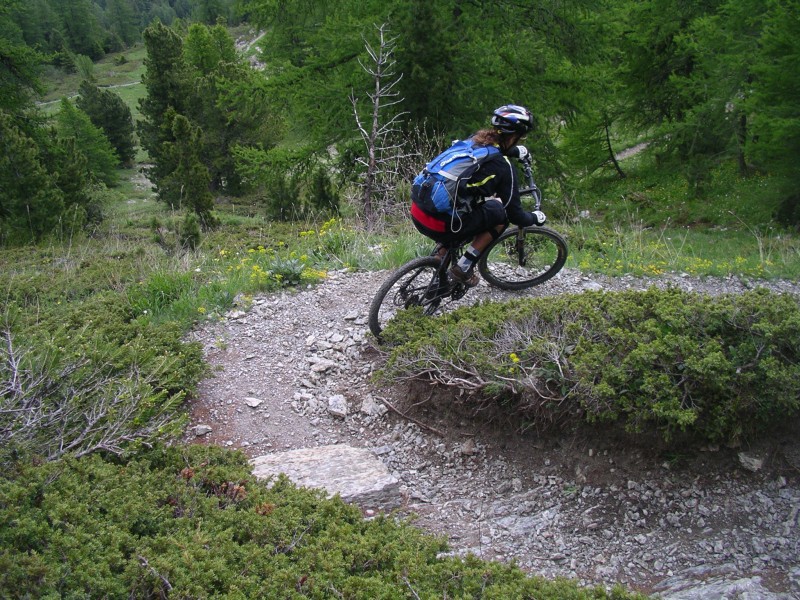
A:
[484,223]
[491,220]
[440,250]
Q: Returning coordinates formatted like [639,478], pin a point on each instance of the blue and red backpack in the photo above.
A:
[438,193]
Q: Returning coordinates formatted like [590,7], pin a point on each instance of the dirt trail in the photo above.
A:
[582,505]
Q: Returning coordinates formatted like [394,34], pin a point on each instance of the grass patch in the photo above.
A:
[645,251]
[134,189]
[337,242]
[121,67]
[659,196]
[116,69]
[131,93]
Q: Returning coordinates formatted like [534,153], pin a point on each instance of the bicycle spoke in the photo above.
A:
[414,284]
[517,261]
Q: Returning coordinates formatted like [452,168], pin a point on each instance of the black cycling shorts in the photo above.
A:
[483,217]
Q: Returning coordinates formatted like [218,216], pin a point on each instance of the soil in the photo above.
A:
[595,505]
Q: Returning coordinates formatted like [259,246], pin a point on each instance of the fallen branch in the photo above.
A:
[412,419]
[164,581]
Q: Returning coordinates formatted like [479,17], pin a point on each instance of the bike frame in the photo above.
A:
[449,289]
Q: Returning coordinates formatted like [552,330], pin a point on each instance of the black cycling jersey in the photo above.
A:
[497,176]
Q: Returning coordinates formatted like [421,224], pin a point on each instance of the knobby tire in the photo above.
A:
[406,287]
[508,267]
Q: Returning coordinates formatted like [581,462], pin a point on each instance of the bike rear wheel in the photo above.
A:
[522,258]
[416,283]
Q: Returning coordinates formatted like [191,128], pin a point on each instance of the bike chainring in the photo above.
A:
[458,291]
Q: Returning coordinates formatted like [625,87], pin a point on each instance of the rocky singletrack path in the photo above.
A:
[294,370]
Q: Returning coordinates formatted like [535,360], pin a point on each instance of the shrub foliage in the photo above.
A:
[193,523]
[90,377]
[718,368]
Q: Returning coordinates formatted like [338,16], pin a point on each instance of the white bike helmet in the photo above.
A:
[512,119]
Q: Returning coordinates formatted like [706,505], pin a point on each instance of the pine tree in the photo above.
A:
[101,158]
[168,91]
[206,47]
[30,203]
[123,20]
[188,185]
[776,129]
[229,101]
[68,166]
[79,27]
[19,68]
[427,62]
[110,113]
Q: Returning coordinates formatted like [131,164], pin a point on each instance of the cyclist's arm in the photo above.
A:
[514,211]
[497,177]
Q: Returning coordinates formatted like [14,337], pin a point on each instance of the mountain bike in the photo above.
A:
[520,258]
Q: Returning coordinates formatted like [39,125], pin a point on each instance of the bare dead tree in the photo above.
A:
[383,146]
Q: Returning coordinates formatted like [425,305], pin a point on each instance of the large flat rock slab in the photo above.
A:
[356,474]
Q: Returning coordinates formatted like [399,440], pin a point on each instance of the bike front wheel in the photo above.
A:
[416,283]
[522,258]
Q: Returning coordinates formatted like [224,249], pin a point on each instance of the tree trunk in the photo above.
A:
[741,138]
[611,154]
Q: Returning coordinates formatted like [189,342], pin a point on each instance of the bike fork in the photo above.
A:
[520,247]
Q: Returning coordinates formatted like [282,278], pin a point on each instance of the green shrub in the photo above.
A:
[192,522]
[281,197]
[288,271]
[57,404]
[105,325]
[190,231]
[90,377]
[321,192]
[718,368]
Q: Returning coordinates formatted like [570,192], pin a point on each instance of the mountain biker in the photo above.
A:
[495,187]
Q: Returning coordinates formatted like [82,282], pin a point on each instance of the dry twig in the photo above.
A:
[412,419]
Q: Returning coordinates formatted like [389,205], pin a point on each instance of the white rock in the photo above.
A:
[468,447]
[337,406]
[751,462]
[372,408]
[200,430]
[356,474]
[320,365]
